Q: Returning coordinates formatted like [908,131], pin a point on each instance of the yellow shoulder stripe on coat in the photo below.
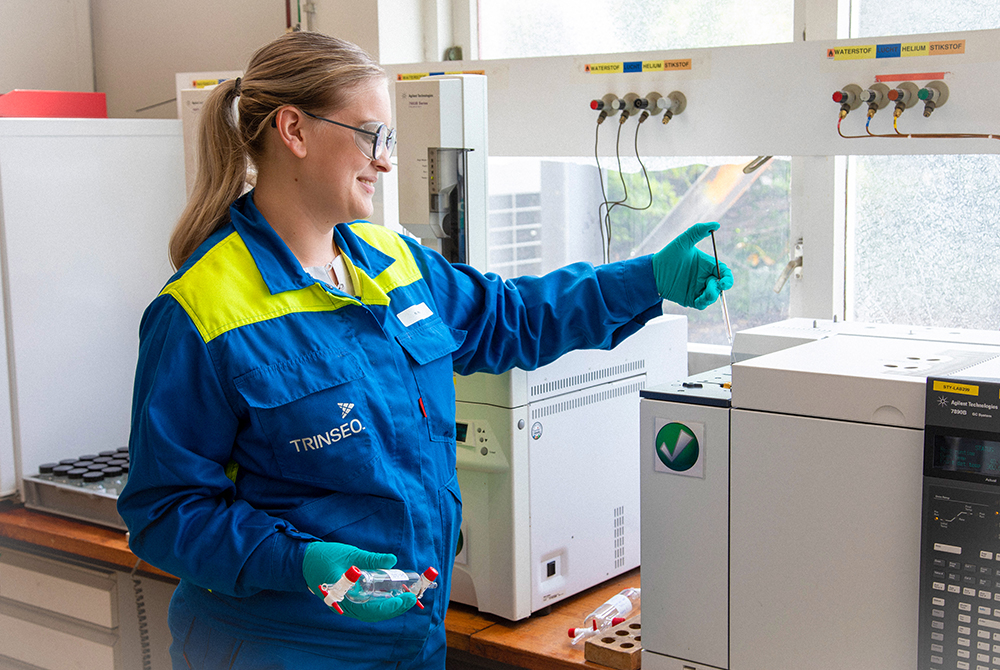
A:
[401,273]
[224,290]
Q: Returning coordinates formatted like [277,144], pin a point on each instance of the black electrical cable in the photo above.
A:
[604,195]
[622,203]
[649,187]
[605,220]
[621,176]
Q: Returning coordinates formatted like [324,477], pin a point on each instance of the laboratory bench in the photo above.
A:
[475,640]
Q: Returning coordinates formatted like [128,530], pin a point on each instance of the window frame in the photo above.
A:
[820,184]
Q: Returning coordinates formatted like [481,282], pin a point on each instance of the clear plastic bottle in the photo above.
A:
[615,610]
[75,476]
[360,586]
[389,583]
[45,471]
[93,480]
[60,473]
[113,479]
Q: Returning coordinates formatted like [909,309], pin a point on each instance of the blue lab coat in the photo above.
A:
[271,410]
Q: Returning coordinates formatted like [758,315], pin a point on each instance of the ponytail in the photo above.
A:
[309,70]
[222,174]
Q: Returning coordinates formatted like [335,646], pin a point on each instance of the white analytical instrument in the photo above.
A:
[548,464]
[781,523]
[442,159]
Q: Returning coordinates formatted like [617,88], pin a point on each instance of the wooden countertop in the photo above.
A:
[539,642]
[71,537]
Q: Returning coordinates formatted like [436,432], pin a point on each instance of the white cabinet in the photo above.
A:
[67,615]
[86,210]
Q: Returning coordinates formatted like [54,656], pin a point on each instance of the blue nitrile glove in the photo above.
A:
[326,562]
[687,275]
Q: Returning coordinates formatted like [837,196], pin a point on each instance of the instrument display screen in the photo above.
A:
[966,454]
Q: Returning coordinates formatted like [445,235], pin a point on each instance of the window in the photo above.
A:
[908,17]
[515,237]
[527,28]
[544,214]
[753,241]
[924,230]
[926,240]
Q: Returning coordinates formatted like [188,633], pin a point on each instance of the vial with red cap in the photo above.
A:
[360,586]
[611,613]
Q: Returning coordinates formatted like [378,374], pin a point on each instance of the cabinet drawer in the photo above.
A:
[32,639]
[69,590]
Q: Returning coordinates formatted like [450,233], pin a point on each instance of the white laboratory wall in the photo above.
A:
[357,22]
[741,101]
[46,44]
[139,46]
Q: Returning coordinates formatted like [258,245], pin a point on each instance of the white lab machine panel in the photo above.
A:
[443,112]
[591,475]
[801,73]
[659,349]
[549,471]
[852,377]
[772,337]
[492,571]
[87,207]
[825,543]
[788,333]
[685,539]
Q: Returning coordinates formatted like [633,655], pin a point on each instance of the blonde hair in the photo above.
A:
[309,70]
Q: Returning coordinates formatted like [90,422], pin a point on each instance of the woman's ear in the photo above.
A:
[290,121]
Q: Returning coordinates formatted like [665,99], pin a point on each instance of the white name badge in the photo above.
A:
[411,315]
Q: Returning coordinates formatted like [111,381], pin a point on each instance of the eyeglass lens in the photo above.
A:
[375,141]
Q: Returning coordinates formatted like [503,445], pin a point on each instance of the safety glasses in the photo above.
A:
[373,138]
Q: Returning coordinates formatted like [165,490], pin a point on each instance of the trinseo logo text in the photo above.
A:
[332,436]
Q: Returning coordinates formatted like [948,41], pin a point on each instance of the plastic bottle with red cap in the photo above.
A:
[613,612]
[360,586]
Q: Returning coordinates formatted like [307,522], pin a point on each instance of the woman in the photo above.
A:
[294,409]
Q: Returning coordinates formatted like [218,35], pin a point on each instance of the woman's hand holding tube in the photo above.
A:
[326,562]
[686,275]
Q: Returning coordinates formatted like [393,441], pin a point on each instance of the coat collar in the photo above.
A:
[279,268]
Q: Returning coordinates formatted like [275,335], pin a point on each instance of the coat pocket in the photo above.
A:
[430,346]
[316,412]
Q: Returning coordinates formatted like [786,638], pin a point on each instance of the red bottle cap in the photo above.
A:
[431,574]
[353,573]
